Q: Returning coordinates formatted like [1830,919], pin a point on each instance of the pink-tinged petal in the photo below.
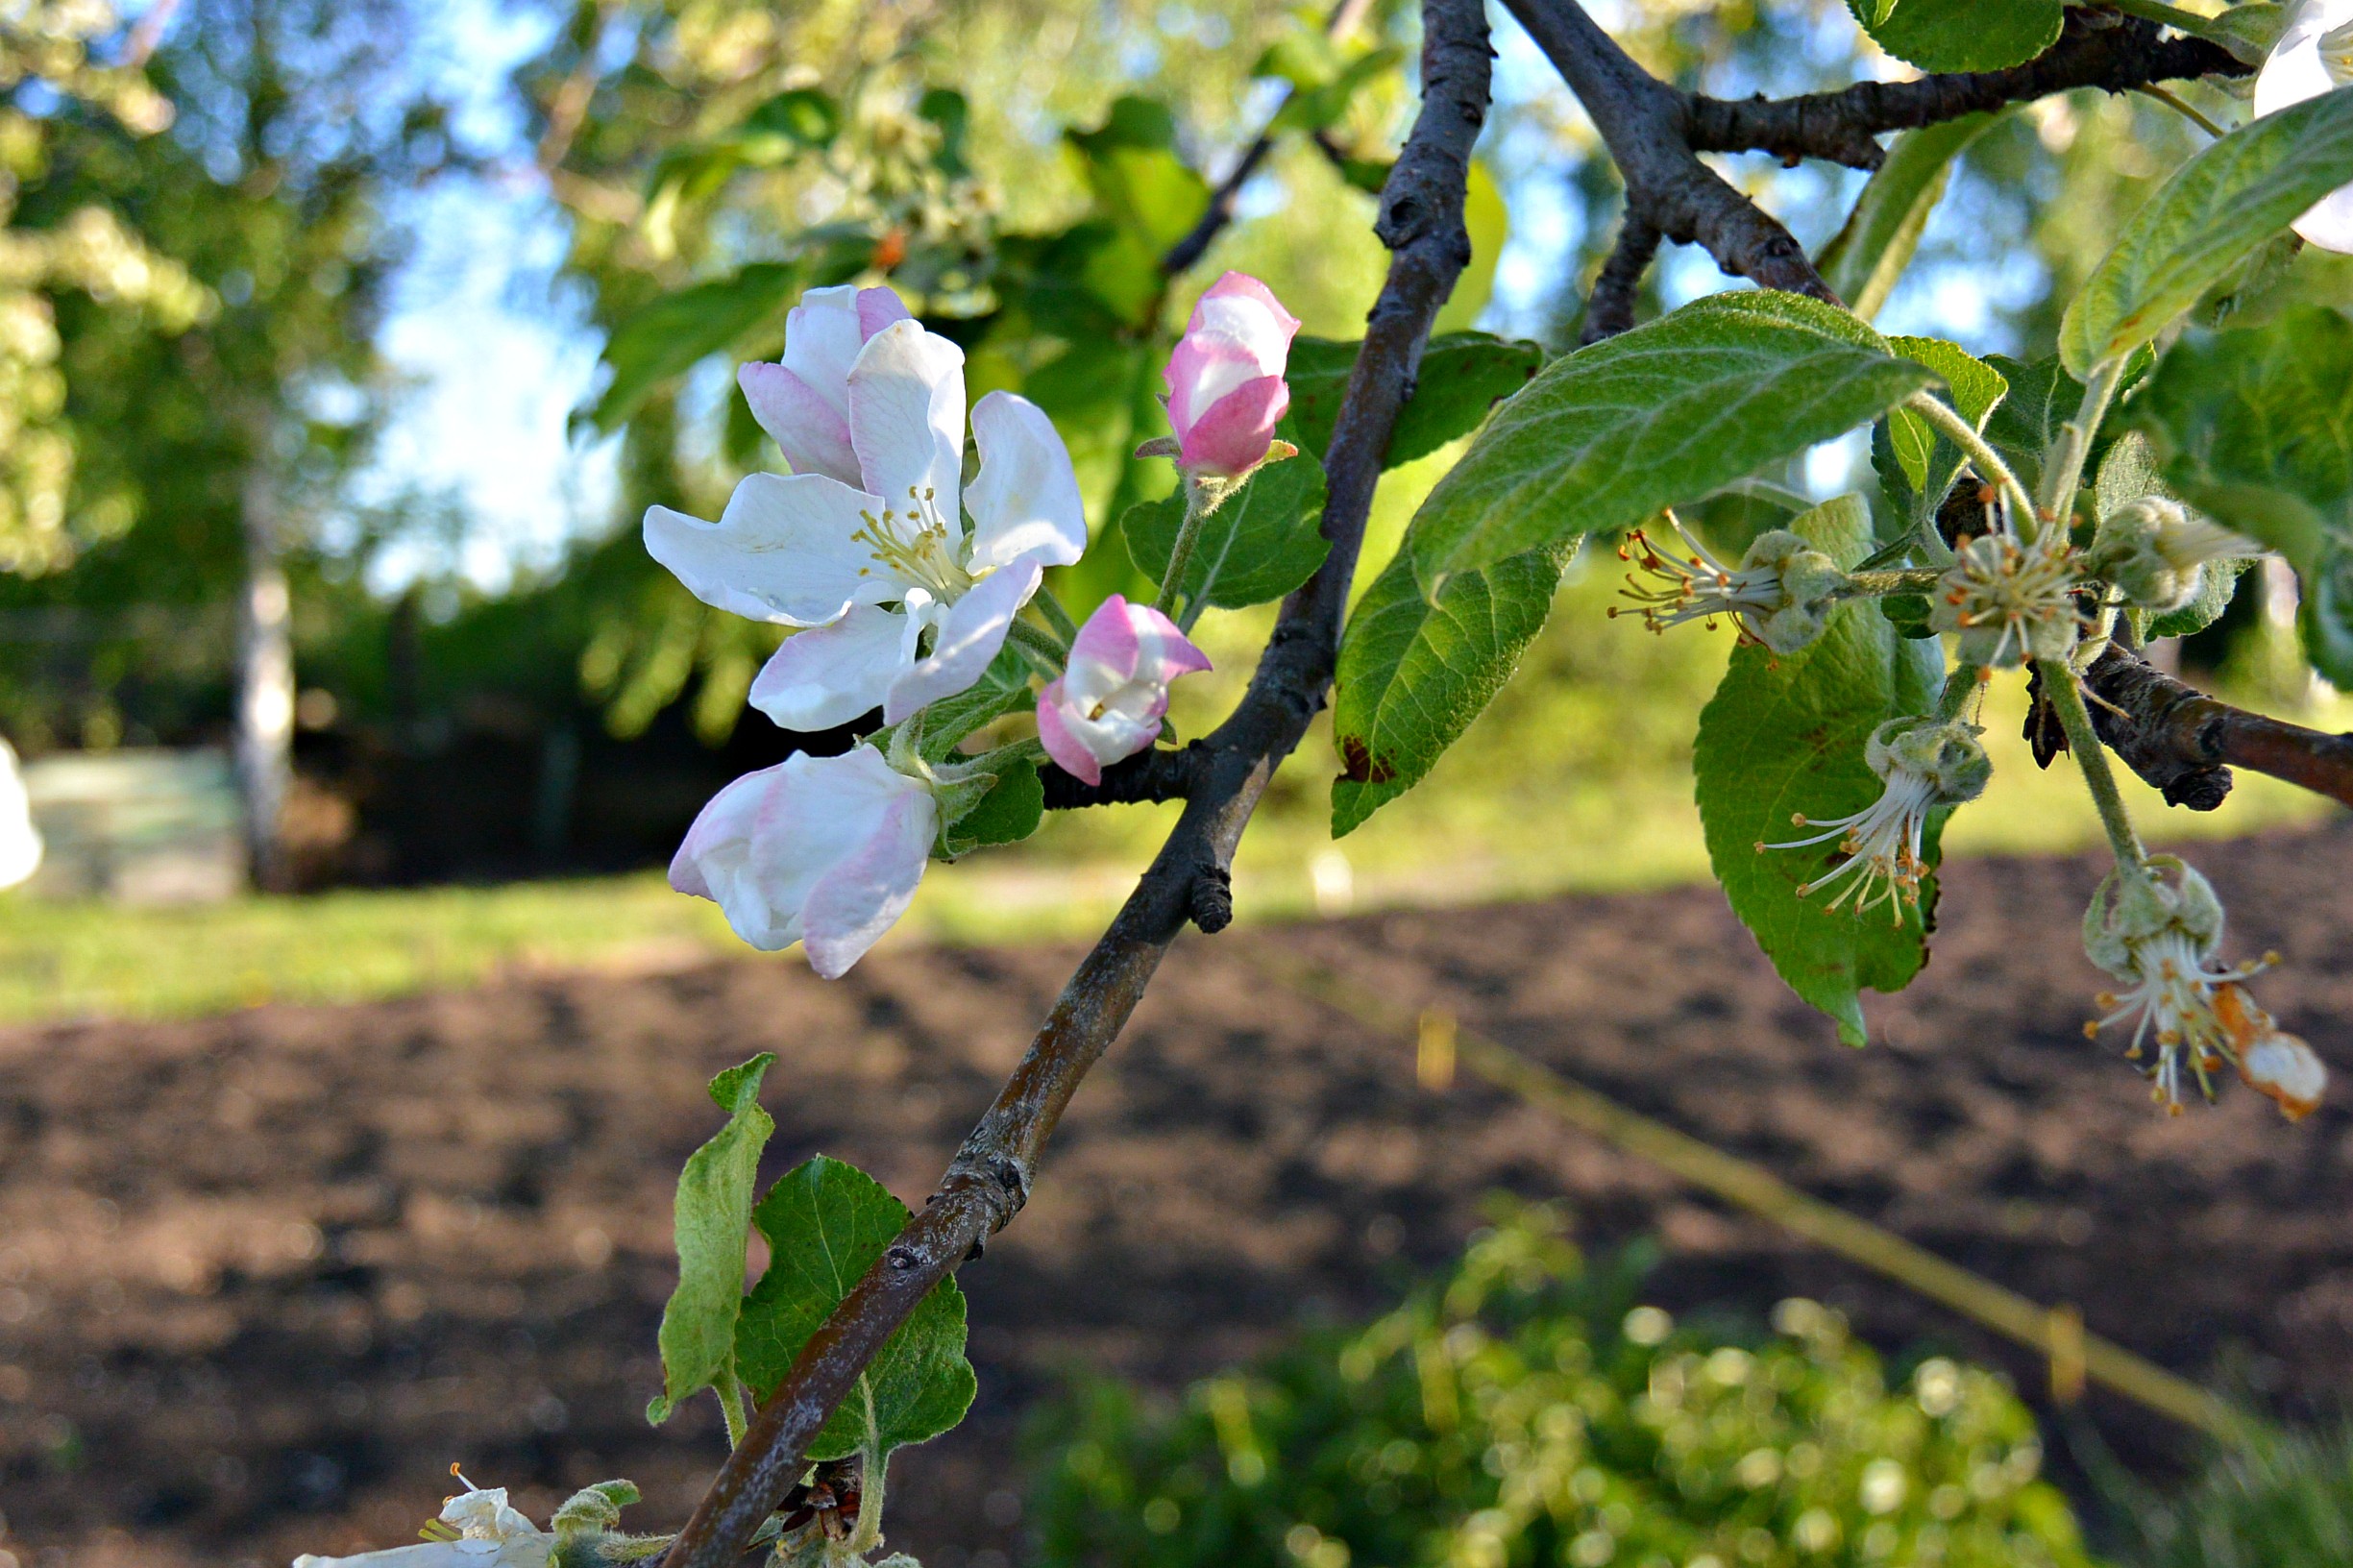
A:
[970,635]
[1024,501]
[906,418]
[1233,435]
[1235,288]
[716,860]
[1164,652]
[783,551]
[1201,369]
[726,815]
[877,308]
[1106,645]
[821,341]
[813,435]
[1054,734]
[831,674]
[863,895]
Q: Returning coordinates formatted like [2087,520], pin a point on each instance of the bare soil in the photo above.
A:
[263,1277]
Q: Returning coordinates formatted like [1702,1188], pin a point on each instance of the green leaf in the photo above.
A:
[2255,428]
[2326,616]
[1604,437]
[713,1220]
[1414,671]
[1003,688]
[803,115]
[1007,814]
[1784,734]
[1961,34]
[1488,219]
[826,1223]
[670,335]
[1463,376]
[2247,30]
[2234,195]
[2217,585]
[1317,106]
[951,115]
[1140,183]
[1262,543]
[1867,256]
[1927,461]
[2042,397]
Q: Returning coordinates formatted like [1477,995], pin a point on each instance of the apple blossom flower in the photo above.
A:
[1108,703]
[1226,391]
[2160,938]
[2010,602]
[476,1529]
[2155,550]
[1928,765]
[823,850]
[2314,56]
[20,841]
[865,544]
[1780,595]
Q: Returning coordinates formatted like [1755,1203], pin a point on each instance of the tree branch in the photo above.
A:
[1646,125]
[2095,49]
[1612,309]
[1146,777]
[2183,743]
[1421,223]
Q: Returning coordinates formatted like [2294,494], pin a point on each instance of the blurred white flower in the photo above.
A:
[476,1529]
[2314,56]
[20,843]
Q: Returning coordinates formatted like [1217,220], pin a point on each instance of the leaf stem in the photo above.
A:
[1965,435]
[2183,108]
[1201,498]
[2060,691]
[731,1402]
[2063,466]
[1960,686]
[1065,626]
[1881,584]
[869,1533]
[2172,17]
[1046,653]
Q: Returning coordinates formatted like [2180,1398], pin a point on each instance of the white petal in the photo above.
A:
[20,844]
[906,417]
[518,1553]
[831,674]
[715,862]
[821,341]
[971,633]
[781,551]
[863,895]
[1024,501]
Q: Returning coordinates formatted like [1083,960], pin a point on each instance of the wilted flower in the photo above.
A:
[865,541]
[2155,550]
[2314,56]
[2160,938]
[1780,595]
[1928,765]
[1108,703]
[1226,391]
[476,1529]
[2010,602]
[2273,1062]
[825,851]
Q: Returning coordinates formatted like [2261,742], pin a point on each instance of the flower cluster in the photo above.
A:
[903,583]
[1780,595]
[1928,765]
[2155,552]
[2314,56]
[2010,601]
[2158,938]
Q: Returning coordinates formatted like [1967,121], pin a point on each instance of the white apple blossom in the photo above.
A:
[865,544]
[478,1529]
[2314,56]
[1780,593]
[20,841]
[1108,703]
[823,850]
[1926,764]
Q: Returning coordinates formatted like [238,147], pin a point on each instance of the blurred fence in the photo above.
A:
[139,825]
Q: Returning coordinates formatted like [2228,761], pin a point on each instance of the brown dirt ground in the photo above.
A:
[262,1276]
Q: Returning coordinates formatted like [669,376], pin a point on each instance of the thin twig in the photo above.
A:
[1421,223]
[1612,309]
[2183,743]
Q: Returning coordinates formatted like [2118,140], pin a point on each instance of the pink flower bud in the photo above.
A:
[1108,703]
[1226,392]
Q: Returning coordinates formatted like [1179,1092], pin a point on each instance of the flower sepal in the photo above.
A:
[1780,595]
[995,798]
[2155,552]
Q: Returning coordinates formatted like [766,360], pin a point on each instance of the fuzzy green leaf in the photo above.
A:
[1961,34]
[1866,258]
[1413,673]
[1262,543]
[1007,814]
[1604,437]
[826,1223]
[2234,195]
[1926,462]
[1784,734]
[1463,376]
[1003,688]
[713,1220]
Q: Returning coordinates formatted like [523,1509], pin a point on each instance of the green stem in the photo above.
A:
[1959,687]
[1046,653]
[2063,465]
[731,1404]
[2183,108]
[2060,691]
[1055,615]
[1965,435]
[1881,584]
[1200,500]
[869,1533]
[2172,17]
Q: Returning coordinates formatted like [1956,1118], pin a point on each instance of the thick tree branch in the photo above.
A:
[1646,125]
[2183,743]
[2096,49]
[1421,222]
[1148,778]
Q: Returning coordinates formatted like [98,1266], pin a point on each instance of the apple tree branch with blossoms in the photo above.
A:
[2048,517]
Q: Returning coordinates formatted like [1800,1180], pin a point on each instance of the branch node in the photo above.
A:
[1210,898]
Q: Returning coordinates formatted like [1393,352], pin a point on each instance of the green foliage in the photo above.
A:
[1868,255]
[1414,671]
[2284,1499]
[1604,437]
[667,336]
[1007,813]
[1518,1414]
[2220,206]
[1923,464]
[826,1223]
[1264,541]
[1463,375]
[1961,34]
[1003,688]
[713,1214]
[1784,735]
